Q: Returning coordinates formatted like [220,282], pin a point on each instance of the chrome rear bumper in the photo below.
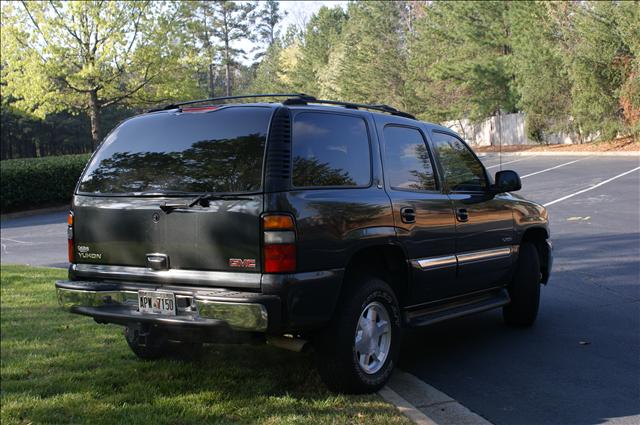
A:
[208,307]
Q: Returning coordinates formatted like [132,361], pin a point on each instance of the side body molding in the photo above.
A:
[432,263]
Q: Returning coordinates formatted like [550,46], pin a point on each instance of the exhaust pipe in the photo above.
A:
[287,342]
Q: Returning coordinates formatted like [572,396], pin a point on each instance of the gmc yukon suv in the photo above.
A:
[306,220]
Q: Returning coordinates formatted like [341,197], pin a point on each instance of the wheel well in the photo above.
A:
[387,262]
[538,236]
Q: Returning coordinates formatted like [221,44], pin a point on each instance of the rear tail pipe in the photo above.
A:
[287,342]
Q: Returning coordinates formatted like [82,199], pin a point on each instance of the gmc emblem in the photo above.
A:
[247,263]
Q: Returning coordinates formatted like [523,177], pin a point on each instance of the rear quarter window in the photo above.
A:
[330,150]
[217,151]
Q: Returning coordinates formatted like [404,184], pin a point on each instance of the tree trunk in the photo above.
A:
[227,68]
[227,55]
[228,78]
[94,114]
[212,83]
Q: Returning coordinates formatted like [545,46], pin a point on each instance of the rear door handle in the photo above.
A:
[408,215]
[462,215]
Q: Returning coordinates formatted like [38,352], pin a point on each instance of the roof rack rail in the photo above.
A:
[293,99]
[376,107]
[301,96]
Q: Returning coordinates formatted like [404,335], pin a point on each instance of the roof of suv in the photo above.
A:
[293,101]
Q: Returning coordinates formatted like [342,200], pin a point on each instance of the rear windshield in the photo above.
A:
[191,152]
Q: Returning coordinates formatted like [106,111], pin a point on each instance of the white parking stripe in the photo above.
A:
[592,187]
[551,168]
[509,162]
[14,240]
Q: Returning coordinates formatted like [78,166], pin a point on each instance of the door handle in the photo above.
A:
[462,215]
[408,215]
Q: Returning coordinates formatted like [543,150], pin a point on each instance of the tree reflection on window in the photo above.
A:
[216,165]
[311,172]
[462,171]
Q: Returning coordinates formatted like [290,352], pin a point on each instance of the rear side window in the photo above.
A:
[217,151]
[462,171]
[407,164]
[330,150]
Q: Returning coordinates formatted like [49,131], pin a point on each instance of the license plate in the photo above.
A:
[154,302]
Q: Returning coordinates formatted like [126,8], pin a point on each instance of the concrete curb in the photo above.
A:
[406,408]
[29,213]
[565,153]
[424,404]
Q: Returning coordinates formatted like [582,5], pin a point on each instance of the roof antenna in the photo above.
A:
[500,139]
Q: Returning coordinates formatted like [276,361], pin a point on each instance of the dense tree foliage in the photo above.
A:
[567,65]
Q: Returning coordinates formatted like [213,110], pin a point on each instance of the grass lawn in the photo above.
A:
[61,368]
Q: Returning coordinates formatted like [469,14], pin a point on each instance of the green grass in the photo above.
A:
[61,368]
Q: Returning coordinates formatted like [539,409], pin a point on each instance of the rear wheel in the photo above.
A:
[524,289]
[357,352]
[149,343]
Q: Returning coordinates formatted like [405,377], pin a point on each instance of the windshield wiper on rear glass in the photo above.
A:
[202,200]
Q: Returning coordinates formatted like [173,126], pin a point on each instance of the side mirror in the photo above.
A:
[507,181]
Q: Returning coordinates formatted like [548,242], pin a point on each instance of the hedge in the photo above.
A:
[39,182]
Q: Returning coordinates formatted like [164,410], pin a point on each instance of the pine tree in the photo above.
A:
[266,20]
[460,60]
[601,62]
[541,77]
[320,37]
[373,64]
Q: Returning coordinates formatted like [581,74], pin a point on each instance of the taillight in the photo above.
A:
[279,237]
[70,237]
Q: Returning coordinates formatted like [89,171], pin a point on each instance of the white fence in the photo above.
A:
[508,127]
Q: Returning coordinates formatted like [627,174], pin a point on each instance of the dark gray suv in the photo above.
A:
[301,221]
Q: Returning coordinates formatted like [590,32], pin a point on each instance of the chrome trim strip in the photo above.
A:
[176,276]
[431,263]
[484,255]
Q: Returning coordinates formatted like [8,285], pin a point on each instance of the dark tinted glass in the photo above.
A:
[462,171]
[330,150]
[216,151]
[407,163]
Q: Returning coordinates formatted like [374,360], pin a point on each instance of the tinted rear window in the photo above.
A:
[217,151]
[330,150]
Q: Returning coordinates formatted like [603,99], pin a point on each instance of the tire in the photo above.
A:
[524,289]
[151,344]
[350,367]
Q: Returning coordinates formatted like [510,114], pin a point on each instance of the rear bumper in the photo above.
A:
[196,307]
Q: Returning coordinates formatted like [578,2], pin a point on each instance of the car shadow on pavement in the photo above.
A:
[577,364]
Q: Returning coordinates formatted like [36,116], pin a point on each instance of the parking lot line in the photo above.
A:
[509,162]
[551,168]
[591,187]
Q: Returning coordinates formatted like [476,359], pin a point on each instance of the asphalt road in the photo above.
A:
[579,364]
[39,240]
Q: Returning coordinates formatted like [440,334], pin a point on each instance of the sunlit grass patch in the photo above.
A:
[61,368]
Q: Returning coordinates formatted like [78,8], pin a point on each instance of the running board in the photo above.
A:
[459,307]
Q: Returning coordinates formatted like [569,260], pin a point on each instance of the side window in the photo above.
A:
[330,150]
[462,171]
[407,163]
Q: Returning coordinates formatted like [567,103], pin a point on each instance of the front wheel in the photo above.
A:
[524,289]
[358,350]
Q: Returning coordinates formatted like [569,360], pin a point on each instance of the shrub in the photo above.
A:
[39,182]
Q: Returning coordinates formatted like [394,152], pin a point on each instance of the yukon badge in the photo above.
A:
[247,263]
[83,252]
